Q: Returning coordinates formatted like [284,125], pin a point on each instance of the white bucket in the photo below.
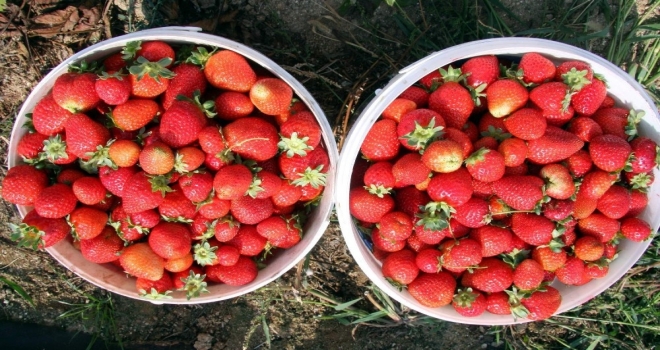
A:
[626,91]
[112,278]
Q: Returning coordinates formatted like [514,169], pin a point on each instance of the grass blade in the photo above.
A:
[343,306]
[18,289]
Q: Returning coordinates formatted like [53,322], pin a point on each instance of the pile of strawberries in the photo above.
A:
[127,161]
[486,183]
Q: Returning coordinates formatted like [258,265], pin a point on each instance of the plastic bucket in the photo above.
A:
[623,88]
[112,278]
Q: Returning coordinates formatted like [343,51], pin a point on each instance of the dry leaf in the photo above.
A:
[55,18]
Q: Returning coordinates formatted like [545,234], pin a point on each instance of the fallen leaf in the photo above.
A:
[55,18]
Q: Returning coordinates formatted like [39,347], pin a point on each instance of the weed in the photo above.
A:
[18,290]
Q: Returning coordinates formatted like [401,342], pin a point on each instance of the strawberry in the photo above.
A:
[485,165]
[181,124]
[481,70]
[596,183]
[84,135]
[584,205]
[281,232]
[288,194]
[578,71]
[113,88]
[555,145]
[433,290]
[134,114]
[399,268]
[645,154]
[453,102]
[533,229]
[454,188]
[615,202]
[579,163]
[428,260]
[226,229]
[431,80]
[232,182]
[558,210]
[87,222]
[115,180]
[75,92]
[469,303]
[48,117]
[232,105]
[396,225]
[542,304]
[498,303]
[536,69]
[415,244]
[381,142]
[519,192]
[398,108]
[251,211]
[103,248]
[584,128]
[264,185]
[588,99]
[170,240]
[150,79]
[369,207]
[140,261]
[248,241]
[596,271]
[188,159]
[609,153]
[409,170]
[386,245]
[443,156]
[271,96]
[492,276]
[599,226]
[418,128]
[612,121]
[378,178]
[229,70]
[30,145]
[147,288]
[37,232]
[175,205]
[460,255]
[114,62]
[526,124]
[227,255]
[23,184]
[473,214]
[548,259]
[417,95]
[638,202]
[212,142]
[571,272]
[461,138]
[409,200]
[308,171]
[514,151]
[151,50]
[552,98]
[528,275]
[124,153]
[243,272]
[492,239]
[196,187]
[252,138]
[142,193]
[89,190]
[188,78]
[588,248]
[157,158]
[636,229]
[559,183]
[306,130]
[55,201]
[505,96]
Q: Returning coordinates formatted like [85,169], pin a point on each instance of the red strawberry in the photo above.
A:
[84,135]
[519,192]
[188,159]
[142,193]
[599,226]
[248,241]
[612,120]
[151,50]
[528,275]
[408,200]
[147,288]
[103,248]
[37,232]
[433,290]
[23,184]
[409,170]
[87,222]
[251,211]
[76,92]
[381,142]
[596,183]
[417,95]
[252,138]
[400,267]
[559,183]
[264,185]
[170,240]
[536,68]
[454,188]
[473,214]
[89,190]
[385,245]
[443,156]
[114,88]
[493,240]
[461,138]
[304,125]
[30,145]
[609,152]
[481,70]
[369,207]
[196,187]
[645,152]
[124,153]
[584,128]
[378,178]
[175,205]
[453,102]
[307,171]
[533,229]
[596,271]
[227,255]
[460,255]
[577,71]
[232,105]
[55,201]
[542,304]
[134,114]
[181,124]
[579,163]
[636,229]
[150,79]
[485,165]
[243,272]
[552,98]
[271,96]
[229,70]
[428,260]
[549,259]
[418,128]
[492,276]
[588,248]
[212,142]
[115,180]
[514,151]
[280,232]
[114,62]
[558,210]
[555,145]
[498,303]
[232,182]
[588,99]
[398,108]
[614,203]
[226,230]
[48,117]
[526,124]
[505,96]
[431,80]
[469,303]
[396,225]
[140,261]
[571,272]
[188,78]
[157,158]
[288,194]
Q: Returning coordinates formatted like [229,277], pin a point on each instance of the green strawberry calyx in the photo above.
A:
[378,190]
[641,182]
[576,79]
[200,56]
[203,253]
[477,93]
[423,135]
[160,183]
[155,70]
[194,285]
[435,216]
[101,157]
[313,177]
[496,133]
[116,75]
[84,67]
[27,236]
[515,257]
[208,107]
[465,297]
[399,286]
[634,118]
[518,310]
[452,74]
[155,295]
[130,50]
[294,145]
[477,156]
[54,149]
[255,187]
